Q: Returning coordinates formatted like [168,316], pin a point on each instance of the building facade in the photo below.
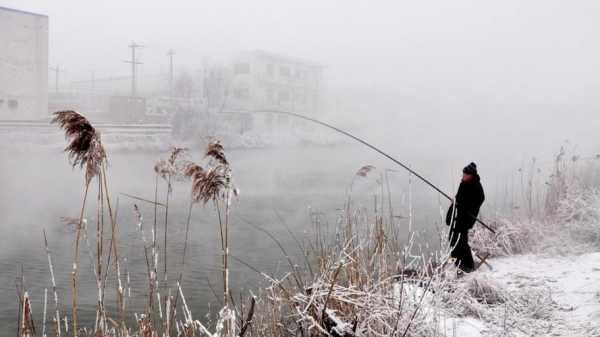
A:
[262,81]
[23,65]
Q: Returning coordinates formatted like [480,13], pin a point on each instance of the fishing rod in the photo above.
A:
[413,172]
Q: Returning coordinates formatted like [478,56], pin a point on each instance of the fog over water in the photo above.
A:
[436,84]
[507,76]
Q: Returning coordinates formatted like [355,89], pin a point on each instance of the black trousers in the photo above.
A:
[461,250]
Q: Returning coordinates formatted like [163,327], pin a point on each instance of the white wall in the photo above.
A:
[23,65]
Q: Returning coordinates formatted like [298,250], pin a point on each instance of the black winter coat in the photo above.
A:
[469,199]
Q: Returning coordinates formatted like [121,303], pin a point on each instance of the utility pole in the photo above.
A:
[57,72]
[170,54]
[133,63]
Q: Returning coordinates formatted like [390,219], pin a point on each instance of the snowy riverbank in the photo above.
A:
[571,282]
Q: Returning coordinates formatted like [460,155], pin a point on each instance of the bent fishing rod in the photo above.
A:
[413,172]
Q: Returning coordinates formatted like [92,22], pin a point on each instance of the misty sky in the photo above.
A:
[524,65]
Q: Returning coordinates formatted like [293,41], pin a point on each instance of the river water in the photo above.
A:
[38,188]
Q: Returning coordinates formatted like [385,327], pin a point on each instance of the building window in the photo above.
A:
[241,68]
[282,120]
[284,71]
[300,96]
[13,104]
[300,74]
[247,123]
[283,96]
[270,95]
[241,93]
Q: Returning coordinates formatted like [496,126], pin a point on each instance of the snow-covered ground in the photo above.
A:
[572,283]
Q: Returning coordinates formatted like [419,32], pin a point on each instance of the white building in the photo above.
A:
[23,65]
[247,92]
[267,81]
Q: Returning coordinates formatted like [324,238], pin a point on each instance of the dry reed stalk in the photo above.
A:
[74,273]
[192,171]
[45,311]
[214,184]
[153,274]
[169,169]
[113,241]
[86,151]
[142,199]
[166,229]
[27,328]
[120,297]
[100,322]
[55,293]
[149,267]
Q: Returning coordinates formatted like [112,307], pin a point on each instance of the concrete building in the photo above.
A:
[242,92]
[23,65]
[266,81]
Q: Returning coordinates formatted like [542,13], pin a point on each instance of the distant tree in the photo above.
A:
[184,85]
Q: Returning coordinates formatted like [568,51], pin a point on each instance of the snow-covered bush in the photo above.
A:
[485,290]
[511,237]
[578,216]
[568,223]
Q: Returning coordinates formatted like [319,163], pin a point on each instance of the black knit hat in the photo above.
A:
[470,169]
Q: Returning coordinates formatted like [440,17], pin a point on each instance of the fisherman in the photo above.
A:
[462,215]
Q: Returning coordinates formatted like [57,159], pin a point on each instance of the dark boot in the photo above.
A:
[462,251]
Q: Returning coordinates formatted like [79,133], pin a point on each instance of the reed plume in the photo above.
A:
[215,150]
[85,147]
[209,185]
[172,167]
[162,168]
[176,152]
[192,170]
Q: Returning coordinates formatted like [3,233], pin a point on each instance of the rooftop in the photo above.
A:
[285,58]
[21,12]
